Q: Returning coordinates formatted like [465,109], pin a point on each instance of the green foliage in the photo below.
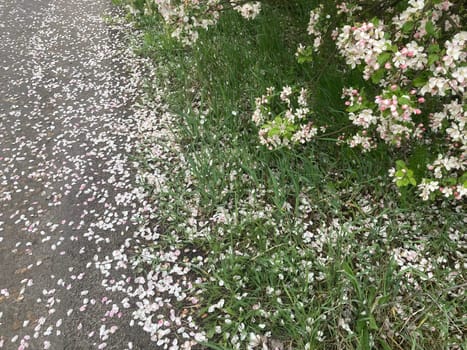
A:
[404,176]
[384,57]
[408,27]
[463,179]
[306,55]
[356,219]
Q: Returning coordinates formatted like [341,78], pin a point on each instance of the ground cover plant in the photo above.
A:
[293,237]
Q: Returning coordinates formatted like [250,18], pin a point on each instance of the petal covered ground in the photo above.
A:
[70,209]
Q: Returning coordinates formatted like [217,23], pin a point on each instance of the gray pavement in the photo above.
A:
[67,193]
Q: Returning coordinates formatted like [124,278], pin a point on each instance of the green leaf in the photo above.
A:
[305,56]
[403,100]
[377,76]
[430,28]
[291,128]
[451,181]
[372,323]
[432,59]
[304,59]
[274,132]
[355,108]
[350,274]
[433,48]
[375,21]
[421,79]
[400,164]
[408,27]
[404,175]
[383,58]
[392,48]
[364,343]
[463,178]
[401,183]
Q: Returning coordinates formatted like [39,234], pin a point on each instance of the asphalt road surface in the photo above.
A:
[67,193]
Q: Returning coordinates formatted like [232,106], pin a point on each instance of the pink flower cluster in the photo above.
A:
[413,57]
[362,44]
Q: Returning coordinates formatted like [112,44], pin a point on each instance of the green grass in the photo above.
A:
[299,243]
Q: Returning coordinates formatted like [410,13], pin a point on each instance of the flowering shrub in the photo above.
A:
[256,254]
[413,58]
[284,118]
[416,62]
[186,17]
